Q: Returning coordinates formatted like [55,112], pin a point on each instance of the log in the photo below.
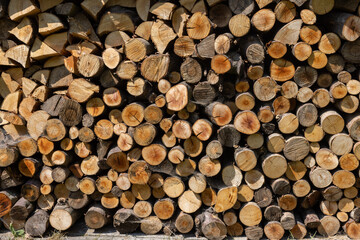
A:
[263,197]
[78,200]
[239,25]
[189,202]
[184,223]
[63,216]
[274,230]
[296,148]
[11,177]
[97,217]
[301,51]
[37,224]
[197,183]
[282,70]
[8,156]
[276,49]
[308,16]
[125,221]
[207,222]
[280,186]
[344,25]
[263,20]
[250,214]
[8,199]
[272,213]
[285,11]
[220,114]
[254,232]
[164,209]
[151,225]
[299,230]
[110,201]
[329,226]
[287,220]
[21,209]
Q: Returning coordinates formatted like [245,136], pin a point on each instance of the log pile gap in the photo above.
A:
[211,117]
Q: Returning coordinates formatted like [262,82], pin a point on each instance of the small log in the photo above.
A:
[281,186]
[220,114]
[310,34]
[274,230]
[151,225]
[311,219]
[239,25]
[189,202]
[164,209]
[263,197]
[21,209]
[97,216]
[31,190]
[276,49]
[184,222]
[28,166]
[8,199]
[254,232]
[37,224]
[139,173]
[329,226]
[263,20]
[317,59]
[320,177]
[301,51]
[287,220]
[253,49]
[272,213]
[274,165]
[207,222]
[142,209]
[125,221]
[8,156]
[254,179]
[282,70]
[78,200]
[197,183]
[296,153]
[110,201]
[343,179]
[250,214]
[63,216]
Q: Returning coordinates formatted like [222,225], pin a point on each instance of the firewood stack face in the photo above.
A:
[215,117]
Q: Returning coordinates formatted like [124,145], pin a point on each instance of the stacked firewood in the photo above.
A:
[216,117]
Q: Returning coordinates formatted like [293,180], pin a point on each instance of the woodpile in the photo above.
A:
[212,117]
